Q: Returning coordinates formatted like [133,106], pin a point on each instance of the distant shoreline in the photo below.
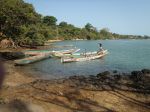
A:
[51,41]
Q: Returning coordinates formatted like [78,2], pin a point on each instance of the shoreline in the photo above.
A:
[109,91]
[102,92]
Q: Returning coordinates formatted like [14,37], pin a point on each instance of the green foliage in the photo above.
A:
[91,32]
[50,20]
[105,34]
[89,27]
[63,24]
[13,14]
[34,34]
[16,18]
[20,22]
[68,31]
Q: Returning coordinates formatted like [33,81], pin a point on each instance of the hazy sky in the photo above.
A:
[120,16]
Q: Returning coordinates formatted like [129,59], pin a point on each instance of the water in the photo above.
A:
[124,56]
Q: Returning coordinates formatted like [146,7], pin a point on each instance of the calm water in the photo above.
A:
[124,56]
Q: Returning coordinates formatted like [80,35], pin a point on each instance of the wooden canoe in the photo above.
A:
[84,58]
[32,59]
[64,52]
[59,55]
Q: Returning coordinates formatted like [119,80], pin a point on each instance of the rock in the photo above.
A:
[141,80]
[77,78]
[146,71]
[12,55]
[92,77]
[117,77]
[104,75]
[136,75]
[115,71]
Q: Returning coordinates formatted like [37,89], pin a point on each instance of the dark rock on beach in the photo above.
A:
[136,75]
[83,93]
[104,75]
[146,71]
[12,55]
[136,81]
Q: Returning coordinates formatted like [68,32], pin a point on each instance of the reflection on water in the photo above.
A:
[124,56]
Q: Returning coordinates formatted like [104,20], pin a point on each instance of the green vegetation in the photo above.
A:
[21,23]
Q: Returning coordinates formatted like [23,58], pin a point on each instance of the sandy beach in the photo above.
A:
[101,93]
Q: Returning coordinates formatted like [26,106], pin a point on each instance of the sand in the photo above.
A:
[66,95]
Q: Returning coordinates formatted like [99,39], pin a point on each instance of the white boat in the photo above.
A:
[59,55]
[98,55]
[37,52]
[64,52]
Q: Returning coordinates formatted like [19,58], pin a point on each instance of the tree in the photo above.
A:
[14,14]
[89,27]
[50,20]
[105,34]
[20,22]
[63,24]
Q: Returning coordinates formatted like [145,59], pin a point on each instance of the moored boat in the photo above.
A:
[37,52]
[67,51]
[32,59]
[97,55]
[64,52]
[59,55]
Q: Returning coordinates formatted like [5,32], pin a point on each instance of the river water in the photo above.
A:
[124,56]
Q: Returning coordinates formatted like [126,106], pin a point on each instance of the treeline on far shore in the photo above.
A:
[22,25]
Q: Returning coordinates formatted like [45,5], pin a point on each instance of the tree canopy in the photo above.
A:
[89,27]
[20,22]
[50,20]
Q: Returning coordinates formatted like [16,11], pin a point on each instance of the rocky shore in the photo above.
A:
[105,92]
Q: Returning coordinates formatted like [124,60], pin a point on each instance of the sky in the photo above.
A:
[120,16]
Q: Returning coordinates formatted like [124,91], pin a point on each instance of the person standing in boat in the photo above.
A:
[101,48]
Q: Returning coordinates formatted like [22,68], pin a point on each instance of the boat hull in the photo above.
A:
[84,58]
[64,52]
[32,59]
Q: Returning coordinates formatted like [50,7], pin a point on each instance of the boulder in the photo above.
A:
[146,71]
[105,74]
[136,75]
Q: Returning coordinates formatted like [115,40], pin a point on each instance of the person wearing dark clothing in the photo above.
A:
[100,45]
